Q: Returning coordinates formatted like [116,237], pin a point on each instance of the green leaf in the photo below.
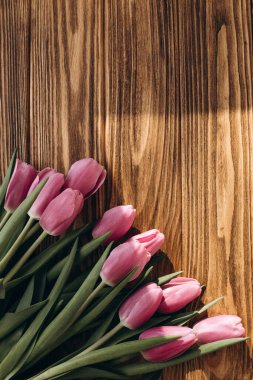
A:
[102,355]
[182,318]
[13,338]
[21,362]
[210,304]
[41,282]
[146,367]
[44,257]
[17,218]
[75,284]
[98,309]
[90,373]
[27,297]
[84,251]
[66,317]
[17,351]
[7,178]
[11,321]
[164,279]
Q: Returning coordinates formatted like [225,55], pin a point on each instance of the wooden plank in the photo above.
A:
[14,79]
[216,124]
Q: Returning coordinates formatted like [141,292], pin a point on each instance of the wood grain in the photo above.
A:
[160,92]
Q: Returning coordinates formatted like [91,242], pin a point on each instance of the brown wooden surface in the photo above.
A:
[160,92]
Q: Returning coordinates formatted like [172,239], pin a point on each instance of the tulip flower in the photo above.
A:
[168,350]
[85,175]
[61,212]
[117,220]
[122,260]
[218,328]
[178,293]
[51,189]
[140,306]
[151,240]
[41,176]
[21,180]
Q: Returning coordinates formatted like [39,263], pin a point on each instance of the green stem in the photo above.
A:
[86,304]
[15,246]
[102,340]
[32,231]
[91,297]
[24,258]
[5,218]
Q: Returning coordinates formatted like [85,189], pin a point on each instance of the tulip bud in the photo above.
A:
[219,328]
[61,212]
[51,189]
[122,260]
[151,240]
[140,306]
[168,350]
[85,175]
[178,293]
[21,180]
[117,220]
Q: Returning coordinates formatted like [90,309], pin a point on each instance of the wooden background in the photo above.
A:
[160,92]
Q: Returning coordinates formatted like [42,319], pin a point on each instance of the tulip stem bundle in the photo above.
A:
[15,246]
[24,258]
[104,316]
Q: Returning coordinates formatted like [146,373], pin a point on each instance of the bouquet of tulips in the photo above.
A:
[104,319]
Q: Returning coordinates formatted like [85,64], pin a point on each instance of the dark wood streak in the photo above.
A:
[160,92]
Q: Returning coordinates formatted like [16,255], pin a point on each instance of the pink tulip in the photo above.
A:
[168,350]
[151,240]
[181,281]
[178,293]
[140,306]
[117,220]
[122,260]
[218,328]
[43,174]
[61,212]
[51,189]
[21,180]
[85,175]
